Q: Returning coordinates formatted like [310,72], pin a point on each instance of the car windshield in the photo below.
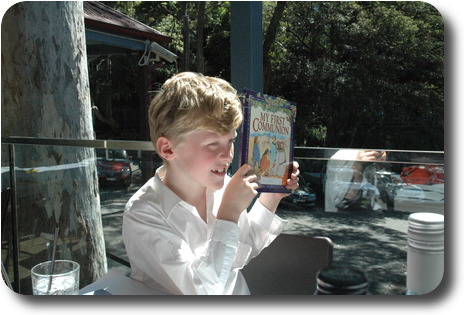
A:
[111,154]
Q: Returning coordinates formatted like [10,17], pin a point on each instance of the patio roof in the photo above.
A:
[111,32]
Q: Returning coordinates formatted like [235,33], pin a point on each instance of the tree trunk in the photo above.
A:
[45,93]
[200,27]
[186,36]
[269,40]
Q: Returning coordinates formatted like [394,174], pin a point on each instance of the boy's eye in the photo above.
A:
[218,143]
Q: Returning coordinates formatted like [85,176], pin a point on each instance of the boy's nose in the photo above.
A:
[227,155]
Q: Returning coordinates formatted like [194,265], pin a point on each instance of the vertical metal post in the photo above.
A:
[14,221]
[246,37]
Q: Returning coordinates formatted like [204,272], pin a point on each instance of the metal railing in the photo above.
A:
[97,144]
[310,153]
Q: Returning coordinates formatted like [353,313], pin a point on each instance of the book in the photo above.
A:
[267,138]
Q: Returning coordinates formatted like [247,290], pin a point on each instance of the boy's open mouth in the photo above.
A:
[219,171]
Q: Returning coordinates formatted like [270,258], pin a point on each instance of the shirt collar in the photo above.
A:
[168,199]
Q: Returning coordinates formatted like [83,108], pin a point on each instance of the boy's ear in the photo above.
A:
[164,147]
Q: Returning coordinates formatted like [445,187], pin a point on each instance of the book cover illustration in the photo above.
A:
[267,138]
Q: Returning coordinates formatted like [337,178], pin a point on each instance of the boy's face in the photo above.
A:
[202,158]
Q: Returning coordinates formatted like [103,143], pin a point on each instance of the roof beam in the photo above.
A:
[100,38]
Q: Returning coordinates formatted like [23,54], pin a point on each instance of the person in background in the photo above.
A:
[349,181]
[185,230]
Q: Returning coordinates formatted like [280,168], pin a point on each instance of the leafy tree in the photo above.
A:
[365,74]
[269,40]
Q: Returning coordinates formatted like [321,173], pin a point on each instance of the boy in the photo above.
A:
[185,230]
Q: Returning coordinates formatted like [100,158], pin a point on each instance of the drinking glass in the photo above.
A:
[63,281]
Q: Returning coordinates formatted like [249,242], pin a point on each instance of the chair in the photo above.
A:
[289,265]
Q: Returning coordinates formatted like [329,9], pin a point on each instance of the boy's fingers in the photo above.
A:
[248,172]
[253,178]
[244,170]
[255,185]
[295,174]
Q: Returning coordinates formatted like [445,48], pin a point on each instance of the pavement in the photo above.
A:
[374,242]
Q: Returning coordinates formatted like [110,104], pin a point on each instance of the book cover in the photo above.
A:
[267,138]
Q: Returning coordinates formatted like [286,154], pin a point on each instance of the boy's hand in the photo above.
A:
[292,182]
[272,200]
[238,194]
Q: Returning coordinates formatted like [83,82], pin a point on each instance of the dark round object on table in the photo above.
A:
[341,281]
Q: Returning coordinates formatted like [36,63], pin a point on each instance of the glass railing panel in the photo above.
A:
[116,188]
[56,186]
[372,239]
[45,172]
[406,181]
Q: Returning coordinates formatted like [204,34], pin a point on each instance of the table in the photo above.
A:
[117,283]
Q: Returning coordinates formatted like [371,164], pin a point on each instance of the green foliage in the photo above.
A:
[370,72]
[364,74]
[166,17]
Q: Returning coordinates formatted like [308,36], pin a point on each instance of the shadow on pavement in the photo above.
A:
[374,242]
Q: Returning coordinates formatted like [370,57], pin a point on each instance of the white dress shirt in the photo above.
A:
[172,249]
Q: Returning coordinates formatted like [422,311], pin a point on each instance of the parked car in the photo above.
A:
[303,194]
[314,172]
[113,166]
[408,193]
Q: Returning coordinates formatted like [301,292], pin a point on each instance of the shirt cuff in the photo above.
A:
[241,257]
[226,232]
[266,219]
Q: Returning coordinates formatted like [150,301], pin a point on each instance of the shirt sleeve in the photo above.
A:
[216,267]
[157,252]
[259,228]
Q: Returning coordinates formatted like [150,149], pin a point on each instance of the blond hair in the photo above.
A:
[190,102]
